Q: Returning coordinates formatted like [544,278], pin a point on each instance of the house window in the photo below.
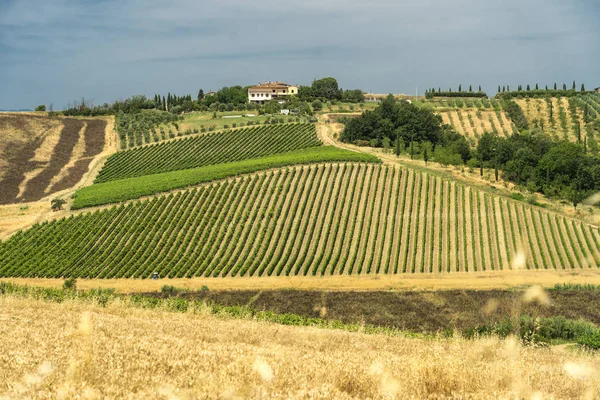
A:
[292,91]
[284,91]
[252,94]
[273,90]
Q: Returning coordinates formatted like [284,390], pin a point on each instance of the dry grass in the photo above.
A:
[76,155]
[437,281]
[74,350]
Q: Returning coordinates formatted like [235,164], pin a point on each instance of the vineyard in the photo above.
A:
[560,117]
[473,123]
[208,149]
[345,218]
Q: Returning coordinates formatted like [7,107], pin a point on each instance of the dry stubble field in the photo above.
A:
[76,349]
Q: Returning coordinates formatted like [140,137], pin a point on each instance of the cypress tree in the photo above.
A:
[503,89]
[397,147]
[425,155]
[470,88]
[554,85]
[546,88]
[582,87]
[537,87]
[481,90]
[507,88]
[564,86]
[164,104]
[528,88]
[578,132]
[496,170]
[459,88]
[574,86]
[499,89]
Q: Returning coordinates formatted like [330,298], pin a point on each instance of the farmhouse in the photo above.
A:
[270,90]
[597,89]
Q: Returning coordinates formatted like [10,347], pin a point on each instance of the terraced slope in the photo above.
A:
[308,220]
[473,123]
[209,150]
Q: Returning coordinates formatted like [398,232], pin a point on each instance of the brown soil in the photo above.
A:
[410,310]
[94,144]
[69,136]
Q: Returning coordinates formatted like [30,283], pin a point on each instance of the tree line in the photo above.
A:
[431,93]
[536,91]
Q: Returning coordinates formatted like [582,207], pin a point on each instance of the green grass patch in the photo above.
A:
[133,188]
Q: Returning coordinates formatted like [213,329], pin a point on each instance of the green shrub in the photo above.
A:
[70,284]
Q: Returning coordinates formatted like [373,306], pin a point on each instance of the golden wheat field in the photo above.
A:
[77,350]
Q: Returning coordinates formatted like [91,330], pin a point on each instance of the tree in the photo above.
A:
[200,94]
[459,88]
[582,87]
[498,88]
[326,88]
[481,90]
[425,155]
[305,93]
[537,87]
[470,88]
[574,86]
[564,86]
[57,204]
[554,85]
[41,107]
[528,88]
[398,146]
[317,105]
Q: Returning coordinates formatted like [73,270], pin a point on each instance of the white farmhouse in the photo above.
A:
[270,90]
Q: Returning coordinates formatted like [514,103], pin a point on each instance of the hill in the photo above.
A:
[312,220]
[42,155]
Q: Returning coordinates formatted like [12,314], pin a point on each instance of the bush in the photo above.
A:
[225,126]
[169,290]
[41,107]
[517,196]
[70,284]
[590,341]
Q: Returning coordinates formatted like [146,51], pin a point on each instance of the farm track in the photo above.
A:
[302,221]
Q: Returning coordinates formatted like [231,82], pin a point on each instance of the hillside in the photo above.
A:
[473,123]
[312,220]
[558,117]
[40,155]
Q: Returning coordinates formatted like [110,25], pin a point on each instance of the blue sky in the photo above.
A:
[57,51]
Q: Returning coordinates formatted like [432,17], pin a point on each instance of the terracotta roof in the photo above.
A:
[271,85]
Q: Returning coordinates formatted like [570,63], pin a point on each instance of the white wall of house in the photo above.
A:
[260,95]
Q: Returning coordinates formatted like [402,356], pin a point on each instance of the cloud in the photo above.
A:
[108,49]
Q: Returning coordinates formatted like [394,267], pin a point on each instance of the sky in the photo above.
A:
[58,51]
